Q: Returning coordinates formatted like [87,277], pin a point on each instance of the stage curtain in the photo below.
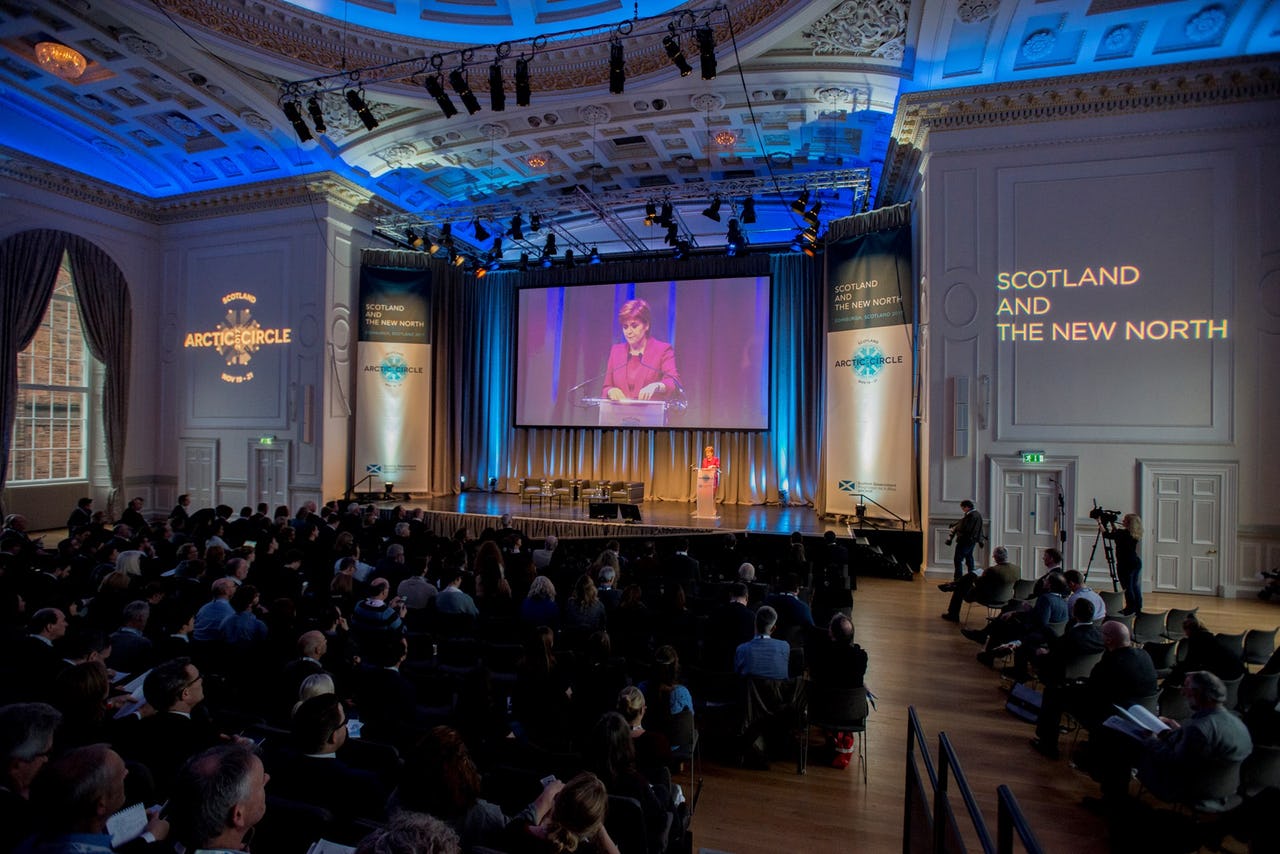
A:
[474,338]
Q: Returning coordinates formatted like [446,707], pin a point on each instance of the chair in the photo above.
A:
[1233,644]
[1023,588]
[381,759]
[290,827]
[1261,770]
[1127,619]
[561,491]
[625,823]
[1113,601]
[1233,692]
[1057,629]
[1163,656]
[1259,644]
[1081,666]
[1172,704]
[684,748]
[1258,688]
[626,491]
[531,490]
[1148,626]
[994,603]
[836,710]
[1173,621]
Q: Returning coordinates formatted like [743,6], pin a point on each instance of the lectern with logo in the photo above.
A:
[707,494]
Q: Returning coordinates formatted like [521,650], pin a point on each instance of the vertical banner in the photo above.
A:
[393,383]
[870,358]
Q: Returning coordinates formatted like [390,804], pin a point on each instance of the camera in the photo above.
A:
[950,539]
[1103,516]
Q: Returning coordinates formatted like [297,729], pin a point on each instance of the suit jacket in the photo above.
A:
[1123,676]
[130,652]
[730,625]
[165,741]
[685,571]
[791,610]
[332,784]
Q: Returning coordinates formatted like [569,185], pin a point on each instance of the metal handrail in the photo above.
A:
[948,761]
[1009,818]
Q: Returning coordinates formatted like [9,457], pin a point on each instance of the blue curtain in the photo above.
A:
[471,408]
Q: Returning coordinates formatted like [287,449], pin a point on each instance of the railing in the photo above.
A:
[935,829]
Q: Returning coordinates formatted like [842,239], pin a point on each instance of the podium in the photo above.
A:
[707,494]
[633,413]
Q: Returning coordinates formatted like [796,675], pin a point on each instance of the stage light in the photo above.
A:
[673,234]
[568,259]
[415,240]
[522,82]
[459,259]
[706,51]
[650,213]
[811,216]
[546,259]
[683,249]
[594,257]
[535,221]
[734,238]
[387,488]
[317,117]
[671,44]
[436,90]
[795,244]
[481,232]
[617,68]
[517,227]
[294,115]
[480,270]
[458,80]
[802,201]
[497,97]
[356,100]
[668,215]
[549,248]
[496,248]
[524,262]
[713,210]
[749,210]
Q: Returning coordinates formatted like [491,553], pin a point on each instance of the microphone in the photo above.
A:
[588,382]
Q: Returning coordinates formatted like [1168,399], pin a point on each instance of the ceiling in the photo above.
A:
[183,96]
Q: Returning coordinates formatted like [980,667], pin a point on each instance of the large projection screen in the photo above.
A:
[705,359]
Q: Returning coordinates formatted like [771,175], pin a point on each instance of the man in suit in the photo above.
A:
[786,602]
[314,774]
[1052,655]
[981,588]
[131,650]
[132,516]
[81,516]
[178,729]
[682,569]
[387,699]
[36,662]
[730,625]
[763,656]
[26,739]
[218,798]
[833,554]
[838,662]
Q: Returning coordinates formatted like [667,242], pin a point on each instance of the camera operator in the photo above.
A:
[967,534]
[1128,561]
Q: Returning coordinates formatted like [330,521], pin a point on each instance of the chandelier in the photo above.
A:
[67,63]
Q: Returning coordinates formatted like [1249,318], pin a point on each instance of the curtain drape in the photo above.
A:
[471,406]
[29,264]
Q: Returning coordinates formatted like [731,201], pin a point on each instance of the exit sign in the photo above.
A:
[1032,456]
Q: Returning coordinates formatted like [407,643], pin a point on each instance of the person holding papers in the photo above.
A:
[641,367]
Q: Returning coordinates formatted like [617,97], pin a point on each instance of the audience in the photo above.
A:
[218,797]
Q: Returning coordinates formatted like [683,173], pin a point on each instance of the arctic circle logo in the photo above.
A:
[394,369]
[868,360]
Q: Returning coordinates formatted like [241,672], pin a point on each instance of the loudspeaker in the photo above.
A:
[603,510]
[630,512]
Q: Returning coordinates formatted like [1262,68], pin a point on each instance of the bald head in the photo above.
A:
[312,644]
[223,588]
[1115,635]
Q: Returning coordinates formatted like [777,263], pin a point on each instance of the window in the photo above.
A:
[50,429]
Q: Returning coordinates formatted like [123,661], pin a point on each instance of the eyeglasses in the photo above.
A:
[199,676]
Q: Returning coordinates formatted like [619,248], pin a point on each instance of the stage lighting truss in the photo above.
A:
[294,115]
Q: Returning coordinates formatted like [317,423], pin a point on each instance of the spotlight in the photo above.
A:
[495,251]
[810,234]
[811,251]
[650,213]
[795,243]
[522,82]
[811,216]
[594,257]
[479,270]
[458,80]
[356,100]
[294,115]
[546,258]
[388,487]
[433,247]
[517,227]
[801,202]
[617,68]
[535,221]
[549,248]
[436,90]
[524,262]
[568,259]
[749,210]
[673,234]
[672,46]
[481,232]
[497,97]
[317,117]
[495,263]
[683,248]
[707,51]
[668,216]
[713,210]
[458,259]
[735,239]
[415,240]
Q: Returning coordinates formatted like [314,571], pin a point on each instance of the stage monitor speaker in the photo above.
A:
[603,510]
[630,512]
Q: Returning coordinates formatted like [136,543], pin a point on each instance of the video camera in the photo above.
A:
[1103,516]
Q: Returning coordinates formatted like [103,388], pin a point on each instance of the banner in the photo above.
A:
[393,383]
[870,434]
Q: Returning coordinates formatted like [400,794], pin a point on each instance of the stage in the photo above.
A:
[478,510]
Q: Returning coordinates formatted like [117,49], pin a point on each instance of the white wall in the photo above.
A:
[1190,193]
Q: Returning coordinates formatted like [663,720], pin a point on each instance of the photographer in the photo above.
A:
[1128,561]
[967,534]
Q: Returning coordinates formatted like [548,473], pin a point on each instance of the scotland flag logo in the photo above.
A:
[848,486]
[373,468]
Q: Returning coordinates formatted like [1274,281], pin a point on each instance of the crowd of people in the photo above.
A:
[357,662]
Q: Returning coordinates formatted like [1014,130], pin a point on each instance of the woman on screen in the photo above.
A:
[640,368]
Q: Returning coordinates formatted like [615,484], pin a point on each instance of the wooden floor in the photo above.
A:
[918,659]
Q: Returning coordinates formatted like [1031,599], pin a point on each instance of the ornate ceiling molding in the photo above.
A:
[875,28]
[1134,90]
[325,188]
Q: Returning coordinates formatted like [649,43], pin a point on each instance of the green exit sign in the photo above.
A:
[1032,456]
[266,440]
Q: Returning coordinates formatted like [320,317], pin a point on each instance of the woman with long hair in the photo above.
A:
[1128,562]
[493,593]
[564,816]
[539,607]
[584,608]
[611,754]
[540,700]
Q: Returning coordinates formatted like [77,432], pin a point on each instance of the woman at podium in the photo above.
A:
[640,368]
[711,461]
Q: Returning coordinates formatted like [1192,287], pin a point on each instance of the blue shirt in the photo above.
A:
[763,656]
[209,619]
[243,628]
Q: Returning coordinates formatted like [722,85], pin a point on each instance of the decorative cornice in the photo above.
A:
[326,188]
[1134,90]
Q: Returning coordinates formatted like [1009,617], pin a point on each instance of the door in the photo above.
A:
[271,475]
[1182,549]
[199,465]
[1027,517]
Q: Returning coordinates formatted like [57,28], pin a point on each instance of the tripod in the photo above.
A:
[1108,552]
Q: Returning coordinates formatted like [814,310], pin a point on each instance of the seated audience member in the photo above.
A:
[584,610]
[80,694]
[683,569]
[790,608]
[981,588]
[542,691]
[763,656]
[611,755]
[610,595]
[1029,624]
[74,796]
[243,630]
[542,557]
[212,614]
[218,797]
[838,662]
[452,599]
[653,749]
[747,573]
[312,646]
[82,515]
[1052,655]
[1123,677]
[26,742]
[177,624]
[1052,562]
[1079,590]
[387,699]
[441,779]
[730,625]
[1196,762]
[563,816]
[1204,653]
[416,591]
[37,660]
[314,774]
[164,740]
[539,607]
[378,615]
[412,833]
